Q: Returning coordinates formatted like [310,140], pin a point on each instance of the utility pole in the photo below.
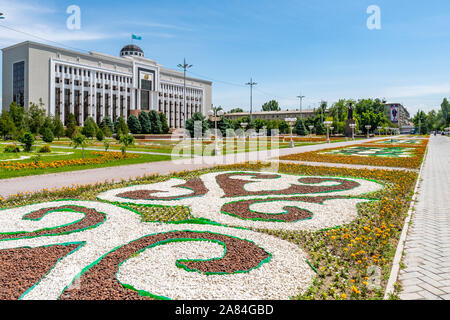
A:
[301,97]
[420,122]
[184,66]
[251,84]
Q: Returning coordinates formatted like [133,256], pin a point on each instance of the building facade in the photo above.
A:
[398,114]
[98,85]
[271,115]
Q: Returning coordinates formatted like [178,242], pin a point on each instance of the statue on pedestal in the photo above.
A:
[350,120]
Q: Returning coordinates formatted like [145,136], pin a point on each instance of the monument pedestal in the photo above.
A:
[348,129]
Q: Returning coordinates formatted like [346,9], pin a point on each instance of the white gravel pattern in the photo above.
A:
[286,274]
[330,214]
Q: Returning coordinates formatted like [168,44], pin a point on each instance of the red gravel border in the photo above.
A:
[21,268]
[241,209]
[92,218]
[235,187]
[100,283]
[195,184]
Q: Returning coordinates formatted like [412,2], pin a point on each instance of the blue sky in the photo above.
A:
[322,49]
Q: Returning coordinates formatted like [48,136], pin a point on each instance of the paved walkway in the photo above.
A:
[64,179]
[427,247]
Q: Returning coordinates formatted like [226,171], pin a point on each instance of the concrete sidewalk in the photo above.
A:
[64,179]
[427,246]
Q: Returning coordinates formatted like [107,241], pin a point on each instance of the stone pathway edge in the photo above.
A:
[395,269]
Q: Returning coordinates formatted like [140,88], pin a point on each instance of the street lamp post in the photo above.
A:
[379,131]
[251,84]
[265,131]
[301,97]
[184,66]
[291,122]
[353,126]
[215,116]
[368,127]
[310,130]
[244,125]
[328,125]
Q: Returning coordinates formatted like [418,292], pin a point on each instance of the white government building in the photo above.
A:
[98,85]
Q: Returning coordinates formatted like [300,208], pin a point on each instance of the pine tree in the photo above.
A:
[107,123]
[121,125]
[155,122]
[90,128]
[164,125]
[190,123]
[71,126]
[58,128]
[300,128]
[47,135]
[134,125]
[145,123]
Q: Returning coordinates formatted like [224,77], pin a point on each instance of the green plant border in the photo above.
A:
[148,294]
[53,228]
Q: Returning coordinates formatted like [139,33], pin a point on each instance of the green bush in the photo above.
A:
[134,125]
[11,148]
[45,149]
[90,128]
[27,141]
[100,135]
[47,135]
[146,126]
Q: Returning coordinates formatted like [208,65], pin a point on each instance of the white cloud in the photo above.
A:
[27,20]
[417,91]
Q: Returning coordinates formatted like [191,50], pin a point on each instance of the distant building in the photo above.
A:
[271,115]
[397,114]
[98,85]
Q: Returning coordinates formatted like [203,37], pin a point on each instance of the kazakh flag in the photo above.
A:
[135,37]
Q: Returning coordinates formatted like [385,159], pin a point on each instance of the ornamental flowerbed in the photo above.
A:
[396,152]
[403,142]
[403,156]
[100,158]
[233,232]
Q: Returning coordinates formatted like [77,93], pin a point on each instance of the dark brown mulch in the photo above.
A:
[235,187]
[195,184]
[99,282]
[241,209]
[92,218]
[21,268]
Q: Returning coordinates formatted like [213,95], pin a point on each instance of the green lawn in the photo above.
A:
[197,148]
[62,150]
[75,154]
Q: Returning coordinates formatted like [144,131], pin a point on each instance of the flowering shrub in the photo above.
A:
[349,262]
[320,156]
[102,157]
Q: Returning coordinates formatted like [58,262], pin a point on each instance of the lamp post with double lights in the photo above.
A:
[328,125]
[291,122]
[215,116]
[368,127]
[244,125]
[264,131]
[353,126]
